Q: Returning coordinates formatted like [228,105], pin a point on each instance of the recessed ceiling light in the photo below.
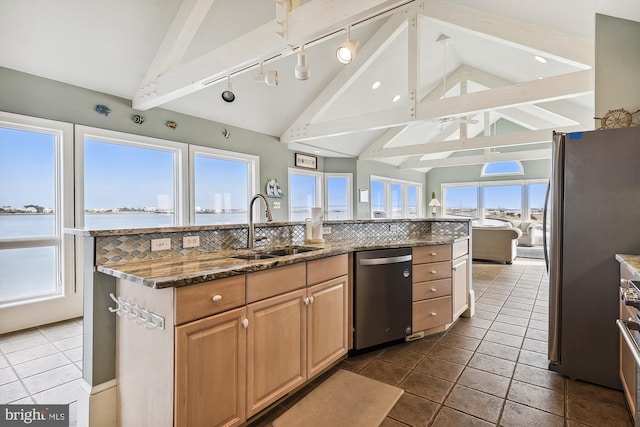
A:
[316,151]
[375,85]
[541,59]
[539,78]
[396,98]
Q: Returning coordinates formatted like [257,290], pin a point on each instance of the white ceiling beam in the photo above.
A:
[384,139]
[478,159]
[311,21]
[480,142]
[176,41]
[562,47]
[367,54]
[549,89]
[552,88]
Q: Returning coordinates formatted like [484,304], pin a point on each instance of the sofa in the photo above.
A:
[495,243]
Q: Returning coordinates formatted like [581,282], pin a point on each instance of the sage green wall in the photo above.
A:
[38,97]
[617,59]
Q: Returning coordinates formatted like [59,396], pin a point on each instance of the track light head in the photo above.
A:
[270,78]
[347,49]
[228,95]
[302,70]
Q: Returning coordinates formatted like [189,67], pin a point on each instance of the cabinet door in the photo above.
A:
[276,348]
[460,292]
[327,333]
[210,371]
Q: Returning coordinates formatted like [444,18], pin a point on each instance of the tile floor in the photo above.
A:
[42,365]
[485,371]
[489,370]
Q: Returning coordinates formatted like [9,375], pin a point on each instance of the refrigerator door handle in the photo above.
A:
[545,212]
[555,247]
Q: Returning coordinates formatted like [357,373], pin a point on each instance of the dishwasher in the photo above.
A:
[382,293]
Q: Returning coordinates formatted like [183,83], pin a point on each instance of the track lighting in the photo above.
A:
[347,49]
[302,70]
[270,77]
[228,95]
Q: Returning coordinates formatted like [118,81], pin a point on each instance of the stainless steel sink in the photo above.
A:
[254,256]
[293,250]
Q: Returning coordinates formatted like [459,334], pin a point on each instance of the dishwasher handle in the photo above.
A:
[386,260]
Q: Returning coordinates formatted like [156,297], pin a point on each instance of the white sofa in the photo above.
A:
[527,238]
[495,243]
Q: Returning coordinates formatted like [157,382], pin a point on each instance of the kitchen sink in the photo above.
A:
[274,253]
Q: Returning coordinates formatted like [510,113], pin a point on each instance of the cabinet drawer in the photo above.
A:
[422,254]
[431,313]
[431,271]
[197,301]
[321,270]
[432,289]
[460,248]
[268,283]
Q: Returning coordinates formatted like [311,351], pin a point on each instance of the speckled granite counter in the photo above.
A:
[631,261]
[193,269]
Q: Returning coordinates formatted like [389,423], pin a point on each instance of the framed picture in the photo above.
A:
[305,161]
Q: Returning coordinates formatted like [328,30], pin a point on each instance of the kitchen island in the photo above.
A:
[213,300]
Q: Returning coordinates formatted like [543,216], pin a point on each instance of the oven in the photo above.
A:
[629,326]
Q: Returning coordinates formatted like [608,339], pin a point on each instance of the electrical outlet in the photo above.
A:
[326,230]
[160,244]
[394,227]
[276,205]
[190,242]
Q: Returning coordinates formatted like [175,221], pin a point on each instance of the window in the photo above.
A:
[305,192]
[36,257]
[339,200]
[392,198]
[536,195]
[223,183]
[502,203]
[461,201]
[129,181]
[502,168]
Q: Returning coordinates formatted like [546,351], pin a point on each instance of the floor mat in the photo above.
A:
[344,399]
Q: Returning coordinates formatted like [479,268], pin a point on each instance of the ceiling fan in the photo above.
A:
[444,40]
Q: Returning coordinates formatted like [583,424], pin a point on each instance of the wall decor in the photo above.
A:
[103,109]
[306,161]
[226,133]
[138,119]
[617,118]
[274,190]
[171,125]
[363,194]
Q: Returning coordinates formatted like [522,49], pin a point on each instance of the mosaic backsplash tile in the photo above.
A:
[137,247]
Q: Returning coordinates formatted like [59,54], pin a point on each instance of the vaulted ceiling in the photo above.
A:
[458,67]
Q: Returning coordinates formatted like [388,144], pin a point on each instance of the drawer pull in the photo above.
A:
[434,272]
[216,298]
[245,323]
[306,301]
[433,313]
[311,299]
[433,254]
[434,290]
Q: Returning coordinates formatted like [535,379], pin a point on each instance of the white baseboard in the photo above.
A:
[97,405]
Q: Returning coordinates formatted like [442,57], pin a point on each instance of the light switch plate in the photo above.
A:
[190,241]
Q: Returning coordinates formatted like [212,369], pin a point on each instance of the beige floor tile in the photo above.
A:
[31,353]
[507,328]
[402,356]
[467,331]
[74,354]
[7,375]
[60,394]
[540,377]
[440,368]
[460,341]
[3,362]
[12,391]
[517,415]
[68,343]
[428,387]
[512,320]
[22,343]
[498,350]
[451,354]
[535,346]
[25,333]
[51,378]
[476,403]
[64,331]
[491,364]
[484,381]
[536,397]
[502,338]
[413,410]
[42,364]
[385,372]
[531,358]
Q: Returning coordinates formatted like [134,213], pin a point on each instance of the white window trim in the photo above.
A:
[64,243]
[253,181]
[349,177]
[319,184]
[388,182]
[180,159]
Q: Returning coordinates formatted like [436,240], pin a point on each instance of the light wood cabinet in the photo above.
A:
[327,323]
[210,373]
[440,285]
[276,348]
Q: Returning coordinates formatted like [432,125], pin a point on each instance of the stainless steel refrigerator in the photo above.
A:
[594,213]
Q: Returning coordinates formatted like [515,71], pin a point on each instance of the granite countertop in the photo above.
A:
[631,261]
[193,269]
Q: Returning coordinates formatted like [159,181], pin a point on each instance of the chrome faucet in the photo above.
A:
[251,238]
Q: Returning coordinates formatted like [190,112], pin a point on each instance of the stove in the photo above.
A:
[629,326]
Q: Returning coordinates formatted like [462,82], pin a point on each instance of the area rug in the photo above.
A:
[536,252]
[344,399]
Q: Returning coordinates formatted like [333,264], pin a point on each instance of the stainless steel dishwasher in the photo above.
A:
[382,296]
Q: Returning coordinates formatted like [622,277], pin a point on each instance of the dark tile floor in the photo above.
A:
[488,370]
